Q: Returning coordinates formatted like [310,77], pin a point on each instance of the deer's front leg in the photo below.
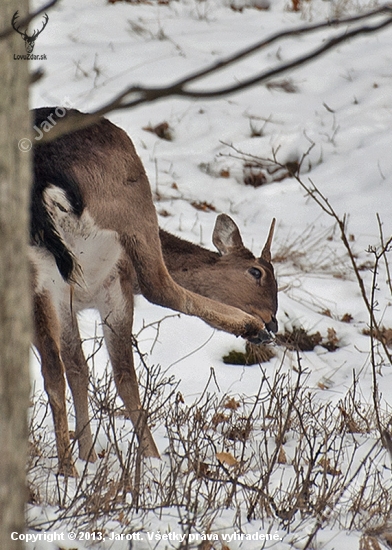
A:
[47,341]
[116,309]
[77,375]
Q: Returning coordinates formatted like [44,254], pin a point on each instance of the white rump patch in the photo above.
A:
[96,251]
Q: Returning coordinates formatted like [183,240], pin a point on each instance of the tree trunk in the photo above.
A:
[14,278]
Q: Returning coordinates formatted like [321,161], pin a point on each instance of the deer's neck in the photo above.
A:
[186,261]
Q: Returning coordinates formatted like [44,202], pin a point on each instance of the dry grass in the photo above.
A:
[278,455]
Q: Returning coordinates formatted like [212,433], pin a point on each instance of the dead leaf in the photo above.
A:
[203,469]
[347,318]
[326,312]
[282,458]
[161,130]
[325,463]
[226,458]
[231,404]
[218,418]
[203,206]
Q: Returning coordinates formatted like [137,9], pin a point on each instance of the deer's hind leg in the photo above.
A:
[47,341]
[116,309]
[77,375]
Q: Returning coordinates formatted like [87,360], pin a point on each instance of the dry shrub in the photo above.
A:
[278,455]
[299,339]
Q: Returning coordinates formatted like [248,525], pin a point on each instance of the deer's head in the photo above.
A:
[247,282]
[234,277]
[29,40]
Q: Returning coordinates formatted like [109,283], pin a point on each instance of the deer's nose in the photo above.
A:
[263,337]
[272,326]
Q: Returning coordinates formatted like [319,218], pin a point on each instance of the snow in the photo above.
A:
[341,104]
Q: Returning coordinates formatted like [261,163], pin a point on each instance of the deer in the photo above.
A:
[95,243]
[29,40]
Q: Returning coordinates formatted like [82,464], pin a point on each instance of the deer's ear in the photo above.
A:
[226,235]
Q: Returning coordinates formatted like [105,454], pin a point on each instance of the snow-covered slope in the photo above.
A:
[341,105]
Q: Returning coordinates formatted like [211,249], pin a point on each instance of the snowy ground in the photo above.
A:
[342,104]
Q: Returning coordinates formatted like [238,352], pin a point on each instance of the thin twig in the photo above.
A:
[385,247]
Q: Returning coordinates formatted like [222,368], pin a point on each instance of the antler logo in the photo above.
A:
[29,40]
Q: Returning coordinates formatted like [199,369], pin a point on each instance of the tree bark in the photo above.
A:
[14,279]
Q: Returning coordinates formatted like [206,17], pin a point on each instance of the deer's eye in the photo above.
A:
[255,272]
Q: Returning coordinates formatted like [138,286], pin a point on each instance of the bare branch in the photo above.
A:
[305,29]
[326,206]
[26,20]
[178,87]
[138,95]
